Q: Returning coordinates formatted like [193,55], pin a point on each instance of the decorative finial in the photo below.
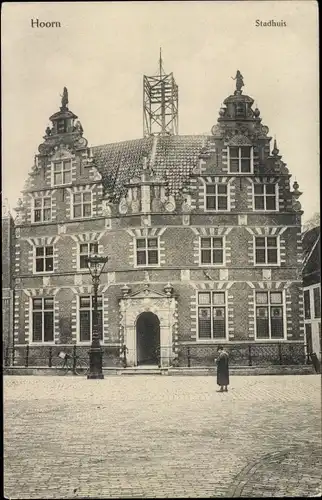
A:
[239,82]
[64,98]
[5,207]
[275,150]
[296,186]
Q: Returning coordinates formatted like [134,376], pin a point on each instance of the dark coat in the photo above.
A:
[222,369]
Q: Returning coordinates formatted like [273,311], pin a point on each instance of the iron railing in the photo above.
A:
[242,354]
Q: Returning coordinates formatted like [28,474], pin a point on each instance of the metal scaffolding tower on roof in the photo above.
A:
[160,103]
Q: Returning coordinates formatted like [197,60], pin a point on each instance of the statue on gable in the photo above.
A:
[78,127]
[64,98]
[239,81]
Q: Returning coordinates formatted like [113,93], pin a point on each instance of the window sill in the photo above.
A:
[267,265]
[223,265]
[241,173]
[261,340]
[207,211]
[43,273]
[42,344]
[147,266]
[263,210]
[41,221]
[61,185]
[213,341]
[75,219]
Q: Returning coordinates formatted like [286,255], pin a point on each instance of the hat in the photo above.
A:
[220,347]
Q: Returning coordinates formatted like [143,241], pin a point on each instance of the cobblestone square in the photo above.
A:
[157,436]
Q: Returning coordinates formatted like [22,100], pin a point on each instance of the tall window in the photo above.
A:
[42,209]
[43,319]
[82,204]
[265,196]
[86,317]
[44,259]
[317,302]
[240,159]
[212,315]
[62,172]
[147,251]
[85,249]
[211,251]
[61,126]
[269,315]
[266,250]
[240,108]
[307,305]
[216,197]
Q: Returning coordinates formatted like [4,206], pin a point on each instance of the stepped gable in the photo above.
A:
[171,157]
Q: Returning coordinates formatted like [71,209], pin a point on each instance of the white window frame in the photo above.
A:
[61,172]
[157,248]
[223,238]
[278,243]
[269,305]
[35,257]
[310,289]
[216,184]
[42,208]
[88,342]
[265,195]
[31,320]
[212,339]
[251,160]
[79,254]
[81,193]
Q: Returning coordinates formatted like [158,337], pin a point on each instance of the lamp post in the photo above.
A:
[95,264]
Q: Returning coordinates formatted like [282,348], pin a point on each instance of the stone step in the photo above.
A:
[179,371]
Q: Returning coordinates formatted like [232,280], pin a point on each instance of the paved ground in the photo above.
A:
[155,436]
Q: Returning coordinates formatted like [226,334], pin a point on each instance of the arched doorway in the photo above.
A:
[147,339]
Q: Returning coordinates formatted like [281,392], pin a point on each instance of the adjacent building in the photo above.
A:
[7,238]
[312,291]
[203,235]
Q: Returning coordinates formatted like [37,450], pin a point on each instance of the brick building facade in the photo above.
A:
[203,235]
[7,238]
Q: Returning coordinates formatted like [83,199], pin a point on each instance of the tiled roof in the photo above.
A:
[172,157]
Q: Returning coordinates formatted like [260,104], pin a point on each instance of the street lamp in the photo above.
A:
[95,264]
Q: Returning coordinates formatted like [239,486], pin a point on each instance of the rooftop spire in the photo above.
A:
[160,62]
[160,103]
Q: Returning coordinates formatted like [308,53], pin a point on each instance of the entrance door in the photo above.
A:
[148,339]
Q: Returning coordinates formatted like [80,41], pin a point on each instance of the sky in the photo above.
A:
[102,50]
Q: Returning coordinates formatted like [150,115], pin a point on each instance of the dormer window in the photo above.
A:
[62,172]
[240,159]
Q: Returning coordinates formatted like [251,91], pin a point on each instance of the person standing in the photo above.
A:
[222,369]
